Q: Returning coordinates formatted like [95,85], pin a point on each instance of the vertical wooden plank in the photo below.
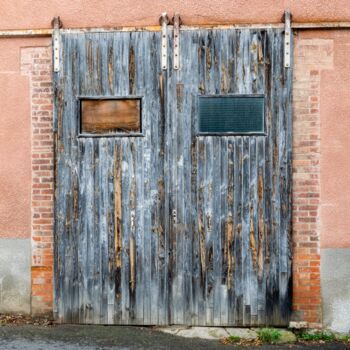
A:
[126,220]
[132,224]
[216,230]
[209,88]
[285,190]
[225,219]
[89,318]
[237,219]
[261,271]
[287,209]
[73,246]
[158,91]
[151,81]
[201,189]
[209,249]
[195,246]
[270,195]
[264,85]
[253,232]
[230,233]
[139,231]
[186,110]
[96,274]
[217,149]
[246,258]
[117,158]
[141,182]
[81,228]
[103,230]
[148,263]
[201,222]
[66,208]
[253,225]
[111,229]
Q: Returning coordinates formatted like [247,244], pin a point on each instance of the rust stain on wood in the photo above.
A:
[179,96]
[228,251]
[261,227]
[252,242]
[260,54]
[75,202]
[132,71]
[224,79]
[208,58]
[132,256]
[201,230]
[89,56]
[110,69]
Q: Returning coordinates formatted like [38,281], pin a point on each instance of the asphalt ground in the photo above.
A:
[74,337]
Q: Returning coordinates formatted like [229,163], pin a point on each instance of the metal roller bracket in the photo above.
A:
[56,25]
[177,23]
[164,21]
[287,39]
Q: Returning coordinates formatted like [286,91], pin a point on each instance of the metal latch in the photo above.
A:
[174,216]
[164,21]
[287,39]
[56,25]
[177,23]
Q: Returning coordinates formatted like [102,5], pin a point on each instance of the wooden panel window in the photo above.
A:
[109,116]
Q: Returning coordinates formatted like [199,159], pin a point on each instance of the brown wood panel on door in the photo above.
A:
[162,225]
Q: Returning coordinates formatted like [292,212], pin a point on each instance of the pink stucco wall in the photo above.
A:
[335,140]
[90,13]
[335,146]
[15,141]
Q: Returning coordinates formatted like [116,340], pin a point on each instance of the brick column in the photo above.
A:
[311,57]
[36,63]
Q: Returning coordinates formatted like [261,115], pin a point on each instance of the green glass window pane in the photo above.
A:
[231,114]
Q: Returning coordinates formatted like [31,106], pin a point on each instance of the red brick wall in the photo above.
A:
[311,57]
[36,63]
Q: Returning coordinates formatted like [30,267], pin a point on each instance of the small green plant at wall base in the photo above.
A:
[317,336]
[269,335]
[345,338]
[233,339]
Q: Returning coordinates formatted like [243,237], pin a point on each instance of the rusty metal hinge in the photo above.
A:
[164,21]
[56,25]
[287,39]
[177,22]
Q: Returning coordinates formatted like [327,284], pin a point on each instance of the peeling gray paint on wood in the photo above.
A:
[171,227]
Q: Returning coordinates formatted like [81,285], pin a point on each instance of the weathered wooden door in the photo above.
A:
[168,225]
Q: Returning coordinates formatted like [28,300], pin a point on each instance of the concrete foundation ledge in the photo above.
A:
[217,333]
[15,278]
[335,287]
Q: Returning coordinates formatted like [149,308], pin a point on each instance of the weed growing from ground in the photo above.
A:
[233,339]
[317,336]
[345,338]
[269,335]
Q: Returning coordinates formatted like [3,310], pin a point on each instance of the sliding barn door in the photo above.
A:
[230,179]
[173,187]
[111,245]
